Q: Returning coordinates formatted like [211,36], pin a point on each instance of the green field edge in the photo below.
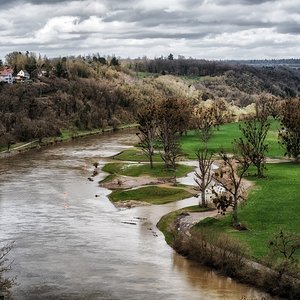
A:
[151,194]
[166,223]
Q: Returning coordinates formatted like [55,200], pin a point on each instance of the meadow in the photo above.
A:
[151,194]
[272,205]
[223,138]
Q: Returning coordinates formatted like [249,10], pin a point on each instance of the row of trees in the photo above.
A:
[166,120]
[278,81]
[43,109]
[163,121]
[65,67]
[250,149]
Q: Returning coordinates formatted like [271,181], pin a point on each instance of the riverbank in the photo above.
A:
[212,241]
[223,254]
[66,136]
[53,204]
[219,246]
[177,226]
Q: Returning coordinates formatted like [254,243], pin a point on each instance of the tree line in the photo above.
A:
[163,122]
[44,108]
[94,91]
[279,81]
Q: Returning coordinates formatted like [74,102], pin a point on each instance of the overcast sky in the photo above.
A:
[211,29]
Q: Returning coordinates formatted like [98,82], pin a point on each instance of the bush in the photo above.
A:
[5,282]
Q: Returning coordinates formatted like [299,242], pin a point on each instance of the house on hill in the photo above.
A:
[6,76]
[23,75]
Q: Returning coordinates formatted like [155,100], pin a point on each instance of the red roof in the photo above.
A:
[6,72]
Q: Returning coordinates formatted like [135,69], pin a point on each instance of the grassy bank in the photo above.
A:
[165,224]
[66,135]
[151,194]
[272,205]
[136,155]
[135,170]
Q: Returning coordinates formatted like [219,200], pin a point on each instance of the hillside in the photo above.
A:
[84,93]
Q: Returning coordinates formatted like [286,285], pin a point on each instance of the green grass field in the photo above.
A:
[221,139]
[135,170]
[224,137]
[136,155]
[151,194]
[272,205]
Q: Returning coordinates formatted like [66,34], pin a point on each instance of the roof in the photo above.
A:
[6,72]
[25,72]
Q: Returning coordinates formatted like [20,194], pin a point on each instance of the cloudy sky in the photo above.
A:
[211,29]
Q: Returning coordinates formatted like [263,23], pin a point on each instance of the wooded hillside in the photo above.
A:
[96,92]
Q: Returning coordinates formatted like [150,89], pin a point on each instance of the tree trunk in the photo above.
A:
[259,169]
[151,161]
[174,170]
[234,212]
[203,200]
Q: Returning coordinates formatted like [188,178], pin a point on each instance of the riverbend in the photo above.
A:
[70,244]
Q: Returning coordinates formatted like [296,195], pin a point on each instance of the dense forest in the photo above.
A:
[95,92]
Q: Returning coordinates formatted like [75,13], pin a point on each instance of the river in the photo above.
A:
[70,244]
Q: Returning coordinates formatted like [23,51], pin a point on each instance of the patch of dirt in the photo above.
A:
[188,220]
[127,182]
[278,160]
[130,204]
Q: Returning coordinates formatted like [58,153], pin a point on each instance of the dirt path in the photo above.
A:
[187,221]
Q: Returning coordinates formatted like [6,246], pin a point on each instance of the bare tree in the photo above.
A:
[267,105]
[289,134]
[147,119]
[229,176]
[5,265]
[173,119]
[204,177]
[285,244]
[221,112]
[255,131]
[204,120]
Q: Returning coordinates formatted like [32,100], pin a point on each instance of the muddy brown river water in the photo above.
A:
[70,244]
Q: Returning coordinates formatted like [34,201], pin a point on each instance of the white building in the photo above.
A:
[7,76]
[23,75]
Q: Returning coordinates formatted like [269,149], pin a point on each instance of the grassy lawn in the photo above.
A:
[272,205]
[136,155]
[165,222]
[224,137]
[135,170]
[151,194]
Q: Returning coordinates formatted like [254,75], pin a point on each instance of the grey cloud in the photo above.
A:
[143,29]
[188,19]
[244,2]
[13,3]
[157,35]
[150,19]
[291,28]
